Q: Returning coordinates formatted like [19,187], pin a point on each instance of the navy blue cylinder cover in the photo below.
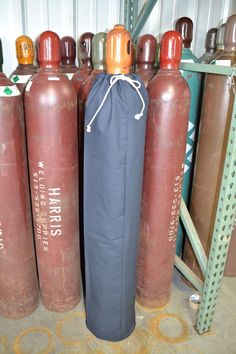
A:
[113,172]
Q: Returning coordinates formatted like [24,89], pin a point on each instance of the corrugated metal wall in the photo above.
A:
[73,17]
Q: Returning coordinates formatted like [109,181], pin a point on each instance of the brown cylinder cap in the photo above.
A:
[118,50]
[184,26]
[68,50]
[85,47]
[49,50]
[230,34]
[24,50]
[220,38]
[211,40]
[171,50]
[146,51]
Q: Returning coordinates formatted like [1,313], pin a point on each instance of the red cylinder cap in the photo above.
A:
[230,34]
[146,52]
[68,50]
[184,26]
[85,47]
[49,50]
[171,50]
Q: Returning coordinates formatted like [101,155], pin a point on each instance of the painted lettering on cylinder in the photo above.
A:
[55,211]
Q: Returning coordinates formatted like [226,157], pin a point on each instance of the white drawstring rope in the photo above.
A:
[134,83]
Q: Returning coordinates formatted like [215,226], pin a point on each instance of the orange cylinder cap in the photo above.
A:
[49,50]
[24,50]
[118,55]
[171,50]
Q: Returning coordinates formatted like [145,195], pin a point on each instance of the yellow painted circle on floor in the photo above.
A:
[136,343]
[17,342]
[72,342]
[3,344]
[154,327]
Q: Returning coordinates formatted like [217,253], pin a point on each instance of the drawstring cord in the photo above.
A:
[134,83]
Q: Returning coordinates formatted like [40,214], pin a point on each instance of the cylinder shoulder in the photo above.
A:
[172,84]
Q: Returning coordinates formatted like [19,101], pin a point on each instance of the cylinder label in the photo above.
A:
[1,237]
[46,206]
[174,221]
[9,91]
[20,79]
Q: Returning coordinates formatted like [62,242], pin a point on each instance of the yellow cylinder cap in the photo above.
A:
[24,50]
[118,53]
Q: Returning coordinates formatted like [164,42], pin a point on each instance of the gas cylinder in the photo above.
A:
[18,277]
[184,26]
[219,44]
[210,45]
[115,121]
[230,267]
[68,54]
[166,135]
[1,56]
[25,57]
[84,54]
[99,66]
[217,106]
[51,126]
[146,54]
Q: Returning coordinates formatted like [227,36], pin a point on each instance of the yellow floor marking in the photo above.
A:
[69,342]
[154,327]
[17,342]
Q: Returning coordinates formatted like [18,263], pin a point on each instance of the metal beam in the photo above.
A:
[142,18]
[130,14]
[189,274]
[193,237]
[210,69]
[221,234]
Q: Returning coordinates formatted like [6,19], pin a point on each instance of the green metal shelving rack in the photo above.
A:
[213,267]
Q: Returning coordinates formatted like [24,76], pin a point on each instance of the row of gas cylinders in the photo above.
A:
[101,149]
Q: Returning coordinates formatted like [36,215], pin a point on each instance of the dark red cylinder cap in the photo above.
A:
[211,39]
[49,50]
[68,50]
[146,52]
[171,50]
[184,26]
[85,46]
[230,34]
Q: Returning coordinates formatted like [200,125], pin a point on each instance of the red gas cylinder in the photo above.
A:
[25,57]
[18,276]
[85,52]
[51,122]
[166,135]
[68,54]
[146,56]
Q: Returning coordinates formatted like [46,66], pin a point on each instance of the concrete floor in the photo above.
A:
[47,332]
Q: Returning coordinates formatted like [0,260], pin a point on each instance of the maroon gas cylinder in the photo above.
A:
[84,53]
[25,57]
[18,276]
[217,109]
[146,56]
[68,54]
[166,135]
[51,125]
